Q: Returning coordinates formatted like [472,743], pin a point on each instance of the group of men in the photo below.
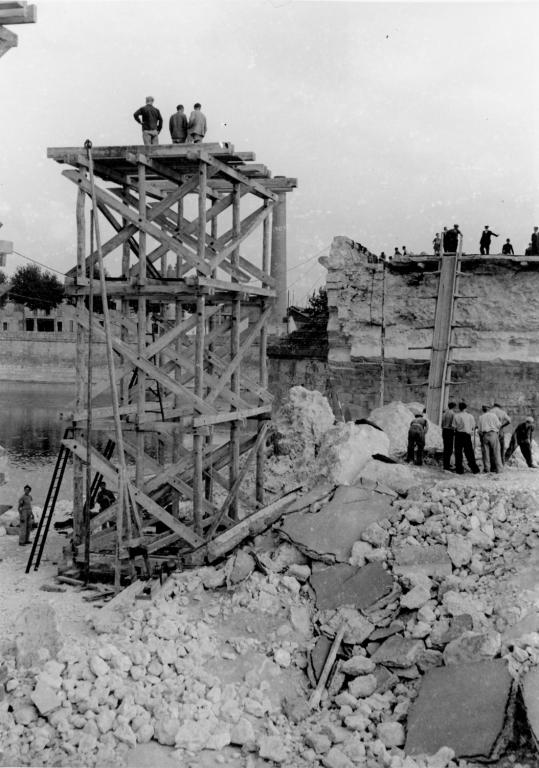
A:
[449,239]
[182,130]
[458,432]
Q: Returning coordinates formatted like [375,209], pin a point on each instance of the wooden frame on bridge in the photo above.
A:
[193,308]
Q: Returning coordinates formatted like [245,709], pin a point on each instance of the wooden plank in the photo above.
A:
[25,15]
[160,151]
[250,526]
[248,290]
[229,173]
[221,418]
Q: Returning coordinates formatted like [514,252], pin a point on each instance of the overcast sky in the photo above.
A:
[396,118]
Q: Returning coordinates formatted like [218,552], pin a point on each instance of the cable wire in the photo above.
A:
[52,269]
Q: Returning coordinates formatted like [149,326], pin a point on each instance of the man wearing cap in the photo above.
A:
[452,239]
[464,428]
[149,117]
[484,242]
[535,241]
[522,436]
[489,426]
[505,422]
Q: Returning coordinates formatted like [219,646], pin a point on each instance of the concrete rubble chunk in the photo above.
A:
[464,707]
[529,687]
[272,748]
[398,651]
[395,417]
[345,585]
[37,631]
[432,560]
[330,533]
[45,698]
[391,734]
[415,598]
[398,477]
[336,758]
[459,549]
[345,449]
[363,686]
[239,567]
[319,742]
[358,665]
[473,646]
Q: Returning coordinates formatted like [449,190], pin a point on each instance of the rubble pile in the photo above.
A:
[219,659]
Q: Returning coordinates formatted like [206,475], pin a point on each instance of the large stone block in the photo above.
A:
[38,635]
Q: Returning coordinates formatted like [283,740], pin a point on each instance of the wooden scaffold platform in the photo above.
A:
[171,222]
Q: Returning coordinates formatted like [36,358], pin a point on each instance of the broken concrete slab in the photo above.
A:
[329,534]
[318,656]
[431,561]
[38,635]
[398,651]
[338,585]
[399,477]
[529,687]
[464,707]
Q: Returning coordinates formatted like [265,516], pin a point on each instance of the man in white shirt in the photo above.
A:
[505,422]
[464,424]
[489,427]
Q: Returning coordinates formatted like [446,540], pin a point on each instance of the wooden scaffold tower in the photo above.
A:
[193,241]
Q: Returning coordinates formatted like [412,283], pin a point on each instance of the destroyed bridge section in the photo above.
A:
[14,13]
[193,308]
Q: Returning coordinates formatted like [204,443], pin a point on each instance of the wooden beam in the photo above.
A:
[26,14]
[233,175]
[222,418]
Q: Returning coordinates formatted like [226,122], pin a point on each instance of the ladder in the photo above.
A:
[42,530]
[440,361]
[98,477]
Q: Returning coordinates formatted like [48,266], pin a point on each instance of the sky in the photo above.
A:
[396,118]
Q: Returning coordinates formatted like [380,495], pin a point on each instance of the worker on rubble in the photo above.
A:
[416,439]
[149,117]
[505,422]
[452,239]
[437,244]
[397,252]
[105,498]
[464,429]
[489,427]
[448,433]
[522,437]
[197,124]
[177,126]
[484,242]
[26,518]
[535,242]
[507,248]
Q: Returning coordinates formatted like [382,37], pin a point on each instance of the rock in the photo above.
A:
[318,742]
[473,646]
[459,549]
[395,419]
[282,658]
[25,714]
[218,739]
[299,572]
[240,566]
[295,708]
[336,758]
[37,631]
[398,477]
[358,665]
[356,722]
[300,619]
[45,698]
[415,598]
[242,732]
[376,535]
[105,720]
[457,603]
[398,651]
[412,558]
[272,748]
[360,550]
[166,729]
[98,665]
[414,515]
[391,734]
[212,578]
[362,686]
[345,449]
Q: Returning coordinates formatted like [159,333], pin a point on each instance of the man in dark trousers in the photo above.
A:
[452,239]
[26,518]
[522,437]
[177,126]
[535,242]
[448,433]
[505,420]
[464,429]
[416,439]
[197,124]
[149,117]
[484,242]
[507,248]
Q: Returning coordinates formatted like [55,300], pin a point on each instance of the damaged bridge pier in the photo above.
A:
[193,308]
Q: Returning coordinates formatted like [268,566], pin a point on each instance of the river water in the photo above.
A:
[31,431]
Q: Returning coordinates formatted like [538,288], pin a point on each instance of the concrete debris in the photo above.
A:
[399,477]
[398,651]
[346,449]
[38,636]
[529,688]
[330,533]
[340,585]
[463,707]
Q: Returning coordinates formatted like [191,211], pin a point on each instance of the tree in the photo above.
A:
[36,289]
[317,307]
[3,296]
